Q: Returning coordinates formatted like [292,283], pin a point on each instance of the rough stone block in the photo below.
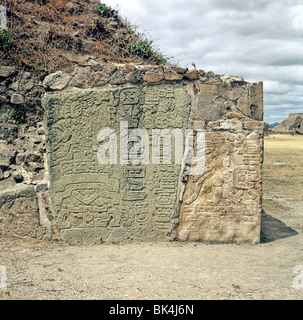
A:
[172,76]
[7,154]
[6,71]
[17,99]
[153,77]
[3,99]
[192,75]
[56,81]
[179,69]
[211,101]
[251,101]
[253,125]
[19,214]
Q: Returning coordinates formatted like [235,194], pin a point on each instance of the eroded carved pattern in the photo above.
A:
[116,200]
[223,204]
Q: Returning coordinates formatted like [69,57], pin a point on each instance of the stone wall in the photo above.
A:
[25,203]
[292,124]
[147,201]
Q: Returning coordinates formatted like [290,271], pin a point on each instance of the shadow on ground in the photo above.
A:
[273,229]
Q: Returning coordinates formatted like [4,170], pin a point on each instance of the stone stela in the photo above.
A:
[146,201]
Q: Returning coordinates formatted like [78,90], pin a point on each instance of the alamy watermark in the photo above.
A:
[3,17]
[297,282]
[3,277]
[189,147]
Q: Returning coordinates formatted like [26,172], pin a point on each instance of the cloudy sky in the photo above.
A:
[261,40]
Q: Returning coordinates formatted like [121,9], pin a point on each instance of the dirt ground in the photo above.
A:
[162,271]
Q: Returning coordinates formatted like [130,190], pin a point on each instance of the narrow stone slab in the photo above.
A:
[223,204]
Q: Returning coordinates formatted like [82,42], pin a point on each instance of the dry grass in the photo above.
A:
[49,33]
[283,183]
[283,165]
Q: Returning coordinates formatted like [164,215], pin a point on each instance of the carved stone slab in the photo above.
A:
[224,203]
[112,202]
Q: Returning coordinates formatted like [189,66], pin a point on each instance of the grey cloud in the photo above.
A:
[256,5]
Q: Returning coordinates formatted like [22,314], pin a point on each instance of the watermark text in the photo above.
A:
[298,278]
[138,146]
[3,17]
[3,278]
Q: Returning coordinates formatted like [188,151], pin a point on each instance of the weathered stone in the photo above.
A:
[45,217]
[18,177]
[236,93]
[6,196]
[41,131]
[201,73]
[14,86]
[192,75]
[68,67]
[7,154]
[232,79]
[6,174]
[38,177]
[6,72]
[227,125]
[179,69]
[17,99]
[293,124]
[118,77]
[10,195]
[97,67]
[33,162]
[56,81]
[212,78]
[113,24]
[29,85]
[234,115]
[153,77]
[224,203]
[160,68]
[132,199]
[31,129]
[34,143]
[172,76]
[84,78]
[112,202]
[27,75]
[253,125]
[251,101]
[133,75]
[42,187]
[2,133]
[20,214]
[211,102]
[3,99]
[89,45]
[20,158]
